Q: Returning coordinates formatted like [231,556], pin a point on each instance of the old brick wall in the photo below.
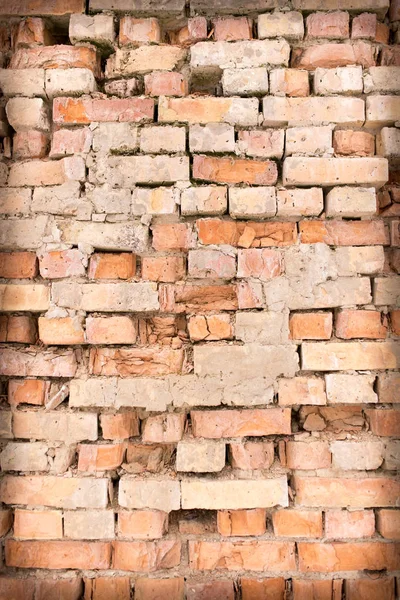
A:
[200,209]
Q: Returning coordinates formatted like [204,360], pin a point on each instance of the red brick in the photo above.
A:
[344,492]
[297,523]
[32,32]
[17,362]
[352,324]
[119,427]
[18,265]
[242,522]
[195,31]
[234,170]
[75,111]
[240,423]
[62,589]
[251,455]
[328,558]
[57,57]
[16,589]
[389,388]
[62,263]
[112,266]
[329,56]
[30,144]
[159,589]
[390,56]
[28,391]
[107,588]
[308,455]
[382,33]
[252,555]
[334,25]
[385,423]
[167,269]
[22,8]
[6,520]
[262,264]
[364,26]
[262,589]
[394,11]
[146,556]
[138,31]
[188,298]
[57,555]
[111,330]
[165,84]
[171,236]
[395,321]
[142,524]
[388,524]
[66,142]
[342,524]
[18,329]
[370,588]
[353,143]
[105,457]
[344,233]
[246,234]
[135,361]
[211,590]
[310,326]
[231,29]
[165,428]
[306,589]
[61,331]
[38,524]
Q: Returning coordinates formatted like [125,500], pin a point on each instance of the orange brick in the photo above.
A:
[18,329]
[353,143]
[142,524]
[239,423]
[16,589]
[235,556]
[146,556]
[262,264]
[297,523]
[165,84]
[336,492]
[352,324]
[159,589]
[242,522]
[304,590]
[308,455]
[210,327]
[32,32]
[210,590]
[119,427]
[62,331]
[261,589]
[62,263]
[188,298]
[310,326]
[171,236]
[136,361]
[57,57]
[138,31]
[104,457]
[164,428]
[18,265]
[246,234]
[385,423]
[329,56]
[107,588]
[30,144]
[38,524]
[28,391]
[395,321]
[112,266]
[251,455]
[167,269]
[234,170]
[342,524]
[76,111]
[58,555]
[388,523]
[370,588]
[231,29]
[344,233]
[6,520]
[111,330]
[328,558]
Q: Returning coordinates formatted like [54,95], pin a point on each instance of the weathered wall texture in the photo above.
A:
[200,341]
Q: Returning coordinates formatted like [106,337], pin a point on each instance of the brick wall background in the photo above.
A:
[199,242]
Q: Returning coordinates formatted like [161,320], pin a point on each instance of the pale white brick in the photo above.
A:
[106,297]
[388,143]
[288,25]
[115,137]
[351,202]
[155,201]
[245,82]
[69,82]
[312,111]
[343,388]
[28,113]
[247,203]
[156,139]
[316,141]
[382,79]
[98,29]
[342,80]
[306,171]
[22,82]
[213,137]
[149,493]
[204,200]
[300,202]
[243,54]
[202,456]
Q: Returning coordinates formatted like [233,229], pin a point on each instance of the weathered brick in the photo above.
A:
[251,455]
[210,556]
[308,455]
[55,426]
[262,327]
[57,57]
[344,233]
[172,236]
[58,555]
[253,589]
[268,143]
[299,202]
[144,59]
[241,522]
[172,587]
[37,524]
[200,457]
[33,297]
[334,25]
[15,201]
[281,24]
[243,54]
[99,588]
[23,82]
[215,137]
[236,111]
[245,82]
[382,110]
[388,524]
[229,170]
[289,82]
[64,263]
[385,423]
[312,111]
[368,588]
[120,426]
[61,331]
[212,590]
[20,329]
[335,171]
[355,456]
[32,32]
[308,140]
[165,83]
[382,79]
[344,388]
[360,324]
[37,173]
[342,80]
[164,268]
[112,266]
[28,391]
[232,29]
[347,557]
[263,264]
[388,386]
[145,493]
[74,82]
[25,114]
[330,56]
[96,29]
[138,362]
[106,297]
[342,524]
[353,143]
[361,355]
[235,423]
[70,111]
[211,264]
[18,265]
[30,144]
[387,143]
[93,458]
[301,390]
[296,523]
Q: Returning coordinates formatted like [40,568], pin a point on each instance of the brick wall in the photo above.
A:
[200,209]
